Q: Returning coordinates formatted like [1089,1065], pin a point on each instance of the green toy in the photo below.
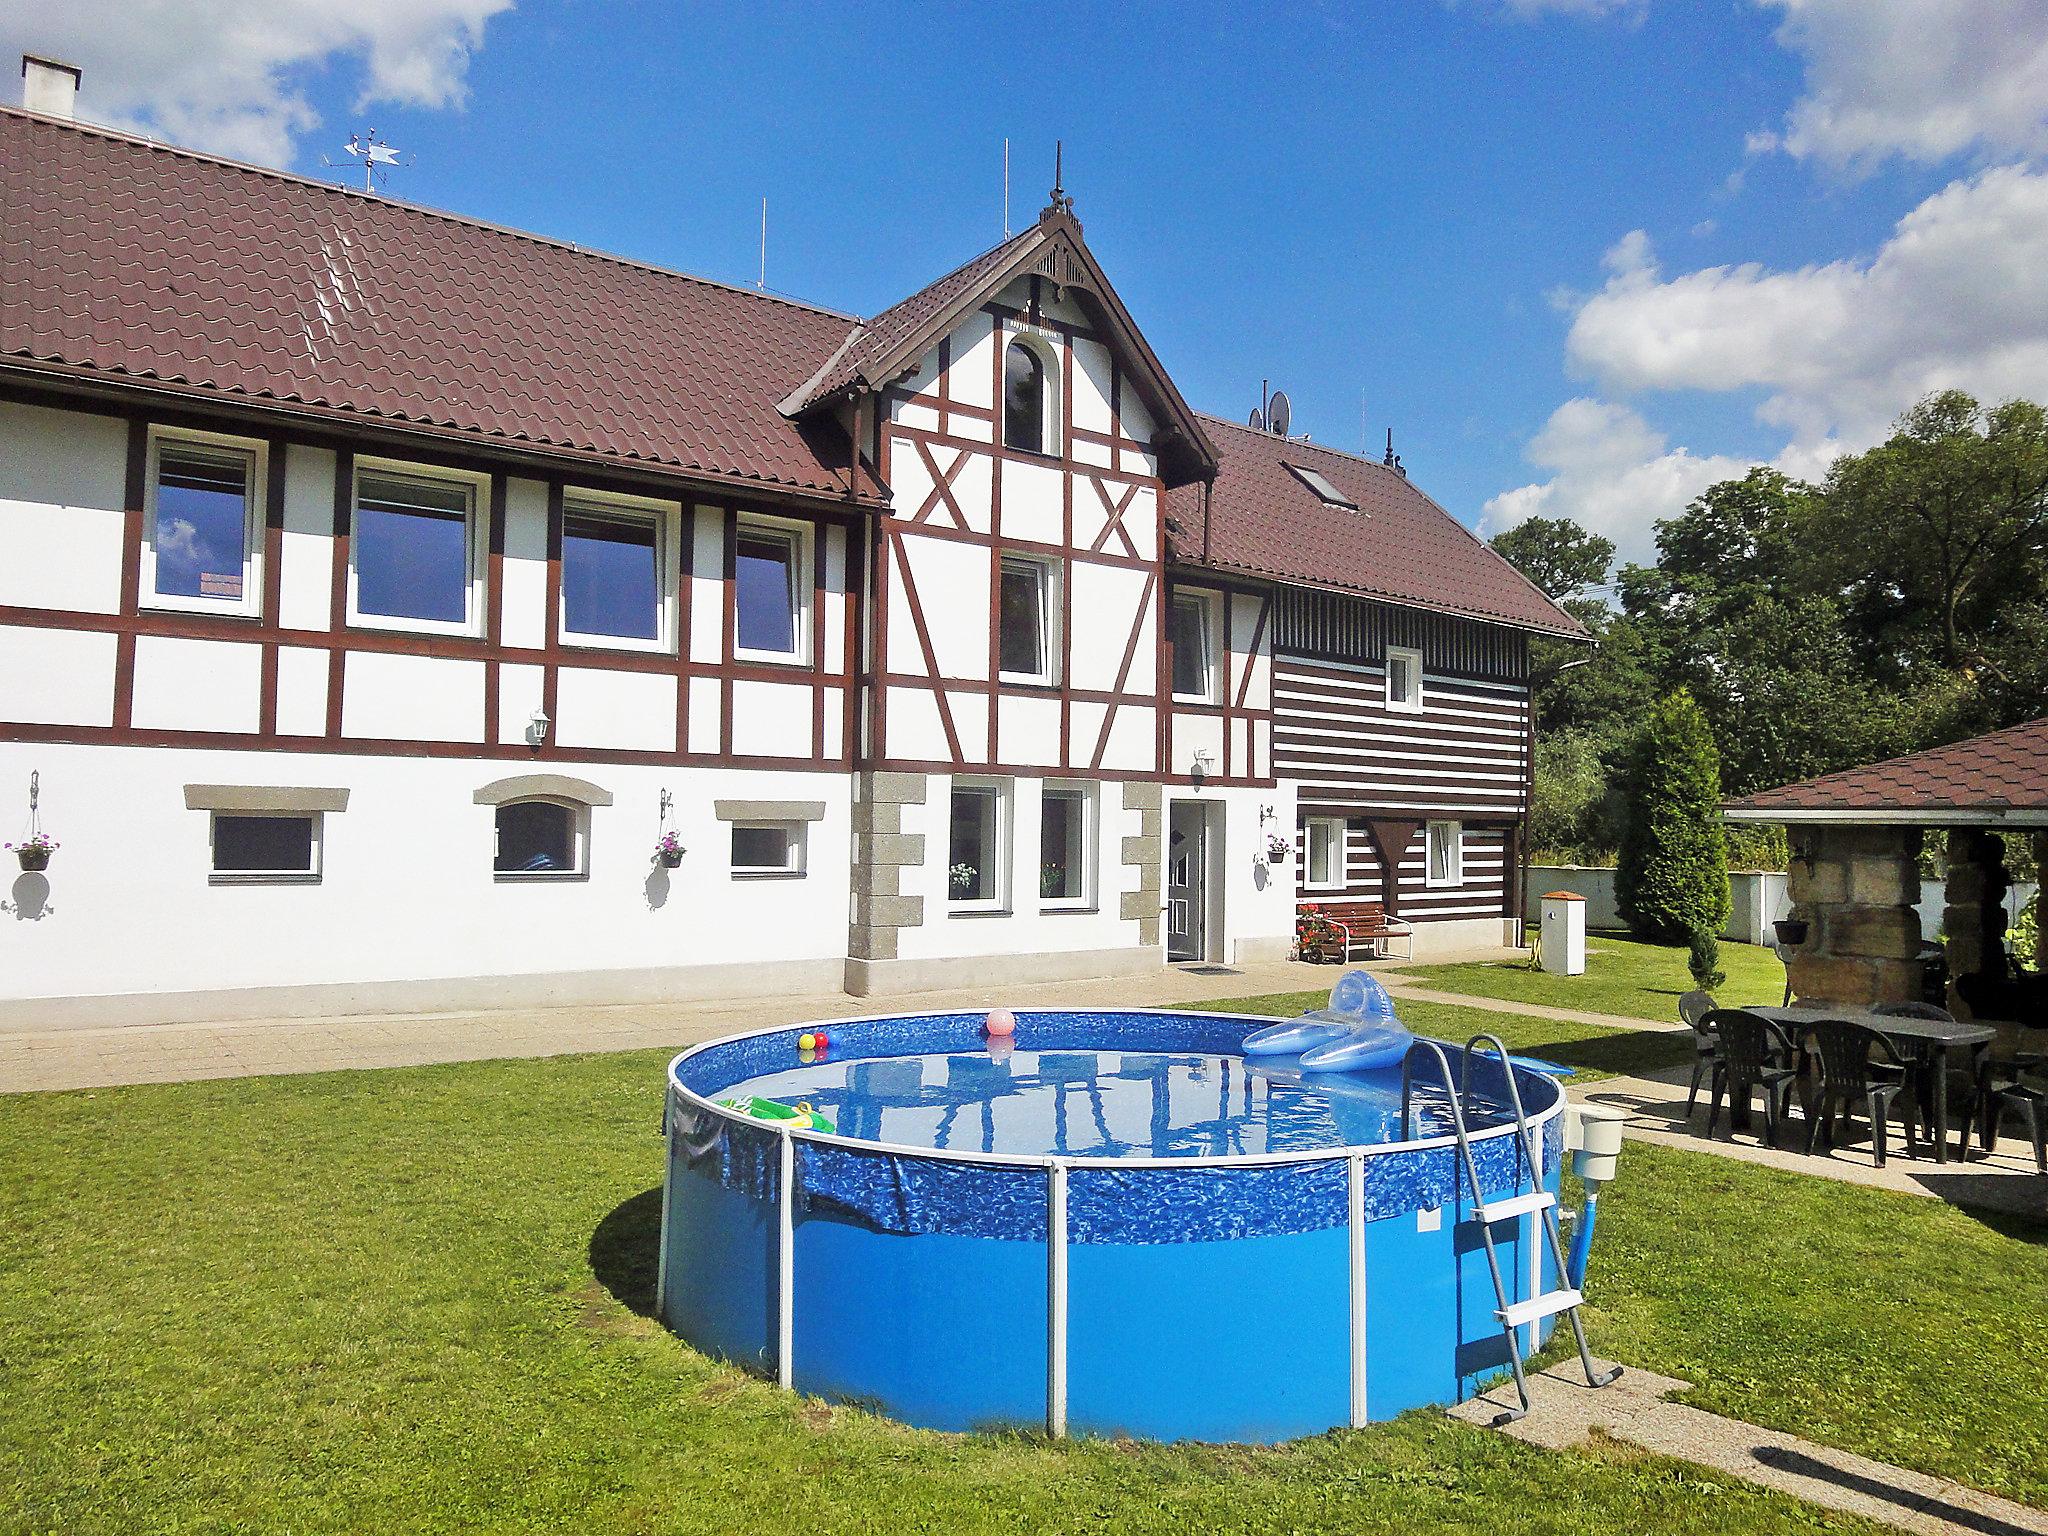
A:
[802,1117]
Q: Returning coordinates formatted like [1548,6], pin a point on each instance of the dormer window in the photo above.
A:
[1320,483]
[1025,398]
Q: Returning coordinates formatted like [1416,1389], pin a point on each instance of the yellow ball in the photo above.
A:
[807,1042]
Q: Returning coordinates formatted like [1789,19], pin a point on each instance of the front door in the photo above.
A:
[1187,858]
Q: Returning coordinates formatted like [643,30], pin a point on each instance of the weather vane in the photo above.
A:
[374,154]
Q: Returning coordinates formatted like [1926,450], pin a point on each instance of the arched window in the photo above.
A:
[1024,398]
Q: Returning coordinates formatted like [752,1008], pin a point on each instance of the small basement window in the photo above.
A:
[248,847]
[1318,482]
[1324,836]
[539,839]
[768,848]
[1404,680]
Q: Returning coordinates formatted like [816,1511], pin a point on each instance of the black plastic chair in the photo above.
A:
[1858,1068]
[1935,1071]
[1693,1008]
[1751,1053]
[2018,1096]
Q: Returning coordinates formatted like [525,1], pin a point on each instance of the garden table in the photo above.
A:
[1924,1042]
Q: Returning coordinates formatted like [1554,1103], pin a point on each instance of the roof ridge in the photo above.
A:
[272,173]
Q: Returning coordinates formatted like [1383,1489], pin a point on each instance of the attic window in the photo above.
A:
[1317,482]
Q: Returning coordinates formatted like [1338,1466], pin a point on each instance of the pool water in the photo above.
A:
[1107,1103]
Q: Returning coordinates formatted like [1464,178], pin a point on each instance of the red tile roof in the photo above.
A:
[2000,774]
[123,257]
[1398,544]
[873,340]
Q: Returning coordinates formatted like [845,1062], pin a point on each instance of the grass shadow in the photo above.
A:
[625,1251]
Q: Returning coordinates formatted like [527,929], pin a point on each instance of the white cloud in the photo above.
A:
[1529,10]
[1924,79]
[228,75]
[1957,297]
[1610,472]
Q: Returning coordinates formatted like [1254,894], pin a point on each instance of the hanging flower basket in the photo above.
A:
[668,852]
[35,853]
[1277,848]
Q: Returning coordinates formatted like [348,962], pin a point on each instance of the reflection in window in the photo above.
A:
[201,533]
[257,846]
[411,548]
[1404,680]
[768,848]
[611,575]
[973,851]
[1023,399]
[536,837]
[766,592]
[1446,853]
[1063,847]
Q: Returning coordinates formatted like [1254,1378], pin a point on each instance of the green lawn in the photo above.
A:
[1623,975]
[1594,1050]
[414,1301]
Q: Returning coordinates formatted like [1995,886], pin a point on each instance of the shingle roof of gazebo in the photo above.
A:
[2000,778]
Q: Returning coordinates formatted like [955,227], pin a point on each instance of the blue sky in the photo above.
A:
[1584,256]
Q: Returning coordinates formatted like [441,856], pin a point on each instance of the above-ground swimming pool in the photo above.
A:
[1114,1224]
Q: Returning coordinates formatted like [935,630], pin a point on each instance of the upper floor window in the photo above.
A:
[413,556]
[1026,398]
[1025,619]
[771,592]
[615,584]
[1192,638]
[539,837]
[1404,680]
[202,549]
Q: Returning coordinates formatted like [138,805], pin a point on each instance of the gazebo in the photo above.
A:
[1854,876]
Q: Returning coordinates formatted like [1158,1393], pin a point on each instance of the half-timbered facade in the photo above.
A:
[398,612]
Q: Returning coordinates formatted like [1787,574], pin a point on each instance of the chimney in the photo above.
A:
[49,86]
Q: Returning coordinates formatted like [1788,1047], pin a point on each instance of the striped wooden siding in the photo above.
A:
[1465,756]
[1483,893]
[1338,628]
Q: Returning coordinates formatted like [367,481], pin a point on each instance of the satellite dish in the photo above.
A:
[1258,421]
[1279,413]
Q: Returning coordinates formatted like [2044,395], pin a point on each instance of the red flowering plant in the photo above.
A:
[1316,937]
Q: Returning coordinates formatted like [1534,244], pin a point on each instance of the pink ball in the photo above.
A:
[1001,1023]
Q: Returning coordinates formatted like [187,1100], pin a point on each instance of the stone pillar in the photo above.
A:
[1973,919]
[1145,852]
[882,850]
[1855,887]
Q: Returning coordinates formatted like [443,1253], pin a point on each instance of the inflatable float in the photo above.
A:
[1357,1032]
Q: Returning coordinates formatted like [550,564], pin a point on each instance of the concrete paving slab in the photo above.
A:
[1566,1413]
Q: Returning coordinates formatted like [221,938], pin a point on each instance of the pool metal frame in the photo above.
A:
[1056,1169]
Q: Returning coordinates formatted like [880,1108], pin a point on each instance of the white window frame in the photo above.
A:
[1211,673]
[474,545]
[803,569]
[666,516]
[1048,578]
[1051,420]
[999,835]
[1339,852]
[217,876]
[1411,705]
[250,604]
[1456,872]
[1085,796]
[796,843]
[579,834]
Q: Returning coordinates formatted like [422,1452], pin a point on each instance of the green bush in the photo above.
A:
[1703,959]
[1671,878]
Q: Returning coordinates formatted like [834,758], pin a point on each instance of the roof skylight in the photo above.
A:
[1316,481]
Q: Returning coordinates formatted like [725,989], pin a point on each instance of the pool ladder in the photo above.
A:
[1535,1200]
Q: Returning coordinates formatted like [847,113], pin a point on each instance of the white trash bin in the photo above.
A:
[1564,933]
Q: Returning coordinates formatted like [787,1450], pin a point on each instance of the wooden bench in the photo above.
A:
[1351,925]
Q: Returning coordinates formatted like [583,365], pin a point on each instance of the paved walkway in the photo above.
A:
[1638,1409]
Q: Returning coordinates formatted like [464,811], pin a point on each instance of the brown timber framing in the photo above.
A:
[133,621]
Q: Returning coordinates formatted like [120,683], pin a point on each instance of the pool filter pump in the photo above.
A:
[1592,1134]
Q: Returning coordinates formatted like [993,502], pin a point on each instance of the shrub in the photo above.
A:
[1704,961]
[1671,877]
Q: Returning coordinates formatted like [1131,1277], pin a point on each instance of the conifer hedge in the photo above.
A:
[1671,879]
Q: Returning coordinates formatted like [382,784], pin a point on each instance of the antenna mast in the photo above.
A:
[762,283]
[1006,188]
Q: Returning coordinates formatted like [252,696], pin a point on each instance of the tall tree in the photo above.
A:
[1557,554]
[1671,881]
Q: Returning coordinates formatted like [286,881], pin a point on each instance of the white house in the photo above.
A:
[378,586]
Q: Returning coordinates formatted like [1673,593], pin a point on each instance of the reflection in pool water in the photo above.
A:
[1107,1103]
